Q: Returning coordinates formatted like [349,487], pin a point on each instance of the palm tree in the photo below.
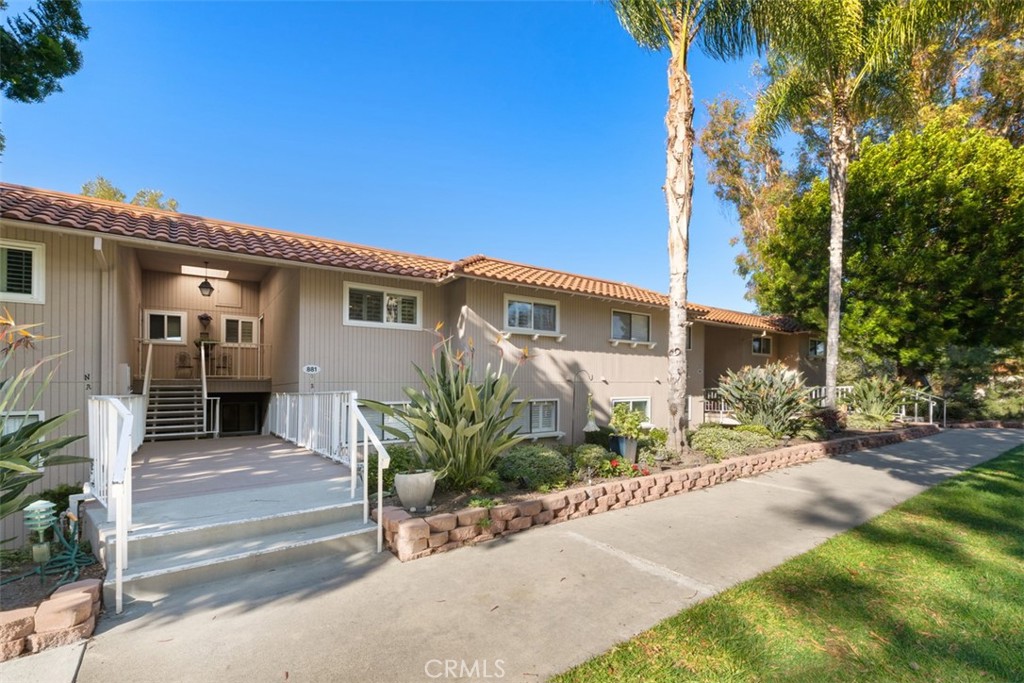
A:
[839,63]
[675,25]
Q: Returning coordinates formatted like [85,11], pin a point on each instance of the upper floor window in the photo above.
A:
[816,348]
[240,331]
[166,326]
[631,326]
[22,267]
[524,314]
[373,306]
[762,346]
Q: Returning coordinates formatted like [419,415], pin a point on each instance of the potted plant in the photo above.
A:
[415,486]
[629,426]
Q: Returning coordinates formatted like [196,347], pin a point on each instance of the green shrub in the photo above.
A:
[829,419]
[874,402]
[721,442]
[533,466]
[655,439]
[403,459]
[601,437]
[773,396]
[490,483]
[461,426]
[590,455]
[628,423]
[753,429]
[482,502]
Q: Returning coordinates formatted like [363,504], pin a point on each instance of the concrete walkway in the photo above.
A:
[523,608]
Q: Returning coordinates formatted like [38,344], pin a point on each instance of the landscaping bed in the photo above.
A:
[412,537]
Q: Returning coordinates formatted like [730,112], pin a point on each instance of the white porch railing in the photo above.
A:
[116,431]
[915,404]
[332,425]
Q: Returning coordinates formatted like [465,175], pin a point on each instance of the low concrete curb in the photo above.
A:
[413,538]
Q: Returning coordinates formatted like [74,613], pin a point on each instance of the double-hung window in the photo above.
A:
[631,327]
[166,326]
[373,306]
[22,271]
[531,316]
[240,331]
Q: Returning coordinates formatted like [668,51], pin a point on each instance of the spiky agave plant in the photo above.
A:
[458,425]
[874,401]
[772,396]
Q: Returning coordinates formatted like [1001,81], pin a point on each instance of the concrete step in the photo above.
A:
[157,576]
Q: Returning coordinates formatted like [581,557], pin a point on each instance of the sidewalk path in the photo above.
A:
[526,607]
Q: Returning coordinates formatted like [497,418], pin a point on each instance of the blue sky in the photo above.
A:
[527,131]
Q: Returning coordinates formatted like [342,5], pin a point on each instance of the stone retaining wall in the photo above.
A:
[988,424]
[411,538]
[69,615]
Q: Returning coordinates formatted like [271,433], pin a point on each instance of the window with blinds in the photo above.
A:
[241,331]
[538,417]
[21,271]
[378,421]
[387,308]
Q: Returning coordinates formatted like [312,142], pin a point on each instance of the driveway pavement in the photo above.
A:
[523,608]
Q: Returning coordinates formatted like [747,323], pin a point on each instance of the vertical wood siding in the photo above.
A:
[176,292]
[279,306]
[374,361]
[71,317]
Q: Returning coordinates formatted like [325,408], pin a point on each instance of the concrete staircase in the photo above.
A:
[175,411]
[198,539]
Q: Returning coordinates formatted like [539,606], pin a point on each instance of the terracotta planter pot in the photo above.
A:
[415,490]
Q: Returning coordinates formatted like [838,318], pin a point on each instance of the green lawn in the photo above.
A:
[933,590]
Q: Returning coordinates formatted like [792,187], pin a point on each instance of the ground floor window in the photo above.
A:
[540,416]
[15,420]
[761,346]
[635,404]
[240,331]
[378,420]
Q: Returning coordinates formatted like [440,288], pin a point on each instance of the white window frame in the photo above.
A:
[512,329]
[385,291]
[556,433]
[633,399]
[172,342]
[38,250]
[632,343]
[40,416]
[810,348]
[771,344]
[240,318]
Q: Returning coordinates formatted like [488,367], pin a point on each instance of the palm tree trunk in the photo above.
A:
[840,146]
[679,196]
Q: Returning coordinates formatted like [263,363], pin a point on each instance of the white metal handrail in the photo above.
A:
[148,378]
[113,439]
[331,424]
[916,397]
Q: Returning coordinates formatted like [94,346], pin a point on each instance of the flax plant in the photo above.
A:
[459,426]
[25,451]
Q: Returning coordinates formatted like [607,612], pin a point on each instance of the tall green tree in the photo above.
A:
[38,48]
[675,25]
[932,250]
[838,63]
[101,188]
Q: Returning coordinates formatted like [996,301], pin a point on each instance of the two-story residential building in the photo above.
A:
[118,285]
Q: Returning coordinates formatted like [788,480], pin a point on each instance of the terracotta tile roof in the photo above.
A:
[126,220]
[488,268]
[58,209]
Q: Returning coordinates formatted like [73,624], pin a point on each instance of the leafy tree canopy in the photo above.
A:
[38,48]
[101,188]
[932,249]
